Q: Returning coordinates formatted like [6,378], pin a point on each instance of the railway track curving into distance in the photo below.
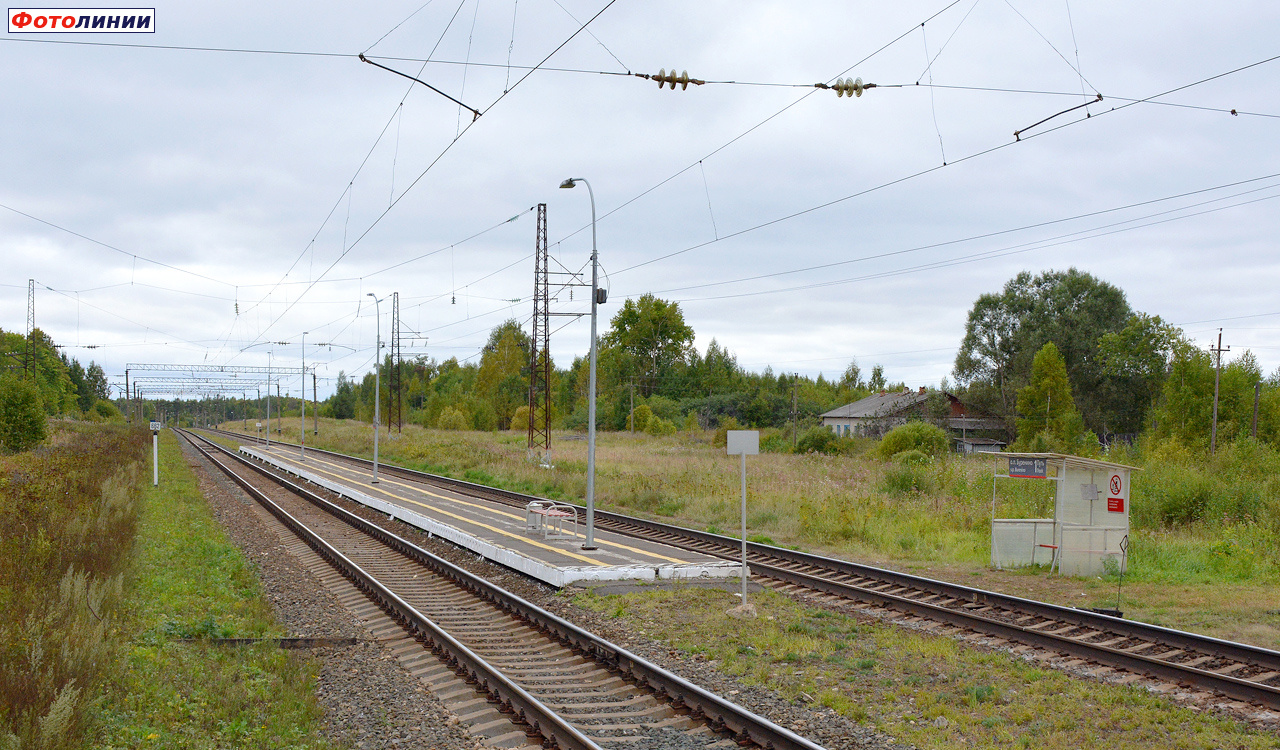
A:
[1178,659]
[559,684]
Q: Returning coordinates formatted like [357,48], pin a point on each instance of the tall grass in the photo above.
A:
[1195,518]
[67,518]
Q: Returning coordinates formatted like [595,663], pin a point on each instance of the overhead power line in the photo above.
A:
[922,172]
[996,233]
[430,166]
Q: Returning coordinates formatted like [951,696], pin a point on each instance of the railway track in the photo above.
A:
[559,684]
[1237,671]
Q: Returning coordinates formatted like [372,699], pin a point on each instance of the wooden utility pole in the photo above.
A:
[1217,378]
[1257,395]
[633,406]
[795,414]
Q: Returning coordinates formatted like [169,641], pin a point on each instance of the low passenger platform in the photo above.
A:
[542,541]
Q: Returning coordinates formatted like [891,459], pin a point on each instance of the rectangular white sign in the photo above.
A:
[156,426]
[743,442]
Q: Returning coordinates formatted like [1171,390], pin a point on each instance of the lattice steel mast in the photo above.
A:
[28,363]
[395,379]
[540,347]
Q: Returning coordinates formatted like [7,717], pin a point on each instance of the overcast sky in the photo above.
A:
[798,228]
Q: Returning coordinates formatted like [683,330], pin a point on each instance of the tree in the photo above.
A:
[877,381]
[1186,409]
[1071,308]
[1047,413]
[852,377]
[1141,356]
[344,398]
[22,418]
[501,379]
[647,340]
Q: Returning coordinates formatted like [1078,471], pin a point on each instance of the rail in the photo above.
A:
[713,709]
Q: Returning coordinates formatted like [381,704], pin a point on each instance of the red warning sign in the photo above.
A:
[1115,505]
[1115,484]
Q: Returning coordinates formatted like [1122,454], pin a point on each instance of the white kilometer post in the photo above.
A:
[155,454]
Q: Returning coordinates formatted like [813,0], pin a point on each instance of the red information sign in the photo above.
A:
[1115,504]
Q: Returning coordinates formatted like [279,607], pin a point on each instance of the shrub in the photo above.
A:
[823,440]
[929,439]
[775,441]
[663,407]
[690,423]
[641,418]
[520,419]
[22,423]
[452,419]
[658,427]
[721,438]
[913,457]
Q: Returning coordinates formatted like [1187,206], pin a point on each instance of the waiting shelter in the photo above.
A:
[1089,531]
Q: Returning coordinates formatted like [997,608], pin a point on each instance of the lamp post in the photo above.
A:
[302,431]
[590,543]
[377,378]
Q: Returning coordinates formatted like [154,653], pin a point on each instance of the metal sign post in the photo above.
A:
[743,443]
[155,453]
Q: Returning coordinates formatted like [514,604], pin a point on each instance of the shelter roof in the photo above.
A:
[1071,462]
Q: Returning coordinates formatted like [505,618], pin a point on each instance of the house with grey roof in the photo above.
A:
[878,413]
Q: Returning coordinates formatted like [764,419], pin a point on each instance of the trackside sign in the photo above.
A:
[82,20]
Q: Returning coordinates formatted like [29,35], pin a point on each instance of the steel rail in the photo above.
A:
[759,555]
[716,711]
[529,710]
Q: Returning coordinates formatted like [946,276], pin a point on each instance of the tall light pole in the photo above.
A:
[377,378]
[302,432]
[596,298]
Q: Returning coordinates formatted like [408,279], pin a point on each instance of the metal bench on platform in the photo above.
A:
[551,518]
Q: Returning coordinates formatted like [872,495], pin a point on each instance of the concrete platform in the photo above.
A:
[498,532]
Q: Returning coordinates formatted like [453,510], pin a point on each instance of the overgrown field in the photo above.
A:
[99,575]
[67,517]
[1205,545]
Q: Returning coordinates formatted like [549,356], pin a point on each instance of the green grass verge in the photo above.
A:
[933,692]
[189,580]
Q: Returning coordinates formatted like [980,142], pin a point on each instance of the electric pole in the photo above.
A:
[1217,378]
[395,385]
[28,365]
[539,427]
[795,413]
[1257,395]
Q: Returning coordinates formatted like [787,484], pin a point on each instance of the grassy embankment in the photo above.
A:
[929,691]
[1206,531]
[99,577]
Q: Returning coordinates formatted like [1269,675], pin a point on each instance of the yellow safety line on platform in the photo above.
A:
[466,520]
[491,509]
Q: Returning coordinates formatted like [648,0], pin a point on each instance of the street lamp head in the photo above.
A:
[568,183]
[369,294]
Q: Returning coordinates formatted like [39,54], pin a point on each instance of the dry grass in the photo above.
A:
[1214,575]
[932,692]
[67,520]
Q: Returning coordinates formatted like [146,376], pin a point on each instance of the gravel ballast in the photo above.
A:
[370,702]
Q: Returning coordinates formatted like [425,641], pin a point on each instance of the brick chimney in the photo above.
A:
[921,390]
